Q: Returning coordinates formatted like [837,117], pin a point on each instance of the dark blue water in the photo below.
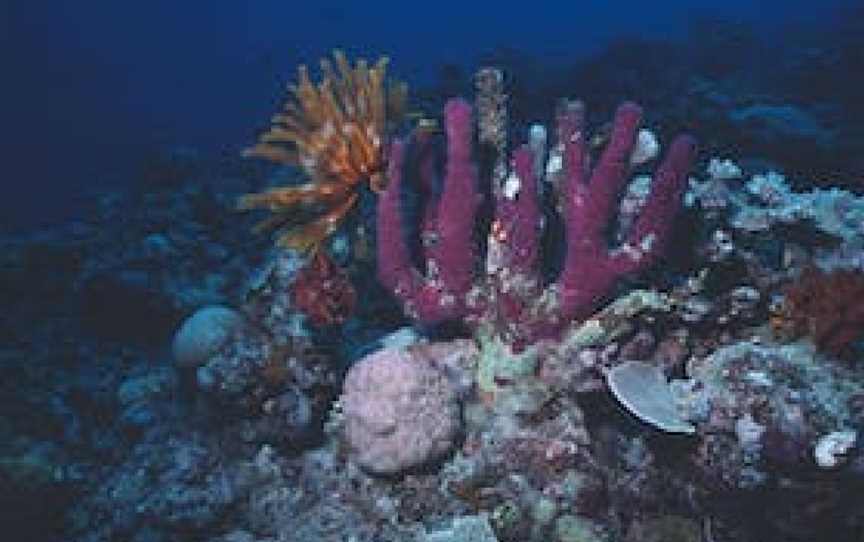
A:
[90,88]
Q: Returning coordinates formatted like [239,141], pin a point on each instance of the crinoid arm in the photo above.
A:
[287,198]
[335,130]
[303,215]
[311,234]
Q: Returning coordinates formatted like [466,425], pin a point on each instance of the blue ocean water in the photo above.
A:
[678,359]
[94,86]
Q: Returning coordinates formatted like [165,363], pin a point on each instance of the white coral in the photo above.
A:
[831,448]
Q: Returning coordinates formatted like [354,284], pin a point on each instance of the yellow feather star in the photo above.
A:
[336,131]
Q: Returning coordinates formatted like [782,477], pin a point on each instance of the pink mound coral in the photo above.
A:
[400,412]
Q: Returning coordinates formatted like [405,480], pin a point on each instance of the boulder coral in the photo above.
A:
[400,412]
[203,334]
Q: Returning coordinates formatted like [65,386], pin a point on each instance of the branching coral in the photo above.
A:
[336,131]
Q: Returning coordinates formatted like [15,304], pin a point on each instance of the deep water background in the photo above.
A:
[89,89]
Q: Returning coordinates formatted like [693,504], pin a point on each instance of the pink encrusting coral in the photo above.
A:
[511,295]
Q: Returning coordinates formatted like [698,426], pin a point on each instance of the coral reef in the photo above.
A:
[337,132]
[272,356]
[760,429]
[499,424]
[769,201]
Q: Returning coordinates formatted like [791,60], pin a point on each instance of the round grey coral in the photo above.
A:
[400,412]
[203,334]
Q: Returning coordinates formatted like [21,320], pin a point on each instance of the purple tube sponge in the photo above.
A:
[440,293]
[510,295]
[590,201]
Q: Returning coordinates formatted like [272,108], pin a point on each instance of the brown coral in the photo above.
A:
[335,130]
[826,306]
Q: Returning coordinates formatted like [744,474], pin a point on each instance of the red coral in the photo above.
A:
[323,291]
[827,307]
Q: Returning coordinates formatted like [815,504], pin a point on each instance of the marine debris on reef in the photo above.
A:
[336,130]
